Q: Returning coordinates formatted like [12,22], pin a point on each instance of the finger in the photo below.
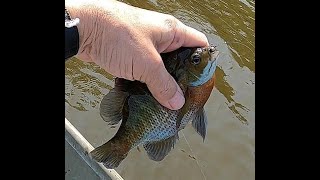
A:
[188,37]
[193,37]
[162,85]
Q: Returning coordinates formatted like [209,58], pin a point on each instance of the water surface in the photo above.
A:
[229,150]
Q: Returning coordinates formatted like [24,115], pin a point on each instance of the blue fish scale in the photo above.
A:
[159,123]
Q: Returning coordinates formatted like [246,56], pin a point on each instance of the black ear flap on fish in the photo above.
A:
[111,106]
[200,122]
[158,150]
[183,55]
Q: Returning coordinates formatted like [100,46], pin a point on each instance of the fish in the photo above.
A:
[144,121]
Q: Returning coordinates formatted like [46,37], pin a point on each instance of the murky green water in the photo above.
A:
[229,150]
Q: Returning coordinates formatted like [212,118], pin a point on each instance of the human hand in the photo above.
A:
[126,42]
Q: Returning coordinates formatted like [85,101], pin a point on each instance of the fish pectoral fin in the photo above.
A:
[200,122]
[158,150]
[111,106]
[183,111]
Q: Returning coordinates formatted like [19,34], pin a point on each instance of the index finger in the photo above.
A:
[188,37]
[194,37]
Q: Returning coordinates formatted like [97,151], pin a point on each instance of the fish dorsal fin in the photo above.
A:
[111,106]
[158,150]
[200,122]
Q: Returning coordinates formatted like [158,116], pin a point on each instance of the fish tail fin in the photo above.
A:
[110,154]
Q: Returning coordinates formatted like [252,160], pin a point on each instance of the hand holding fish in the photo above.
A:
[127,41]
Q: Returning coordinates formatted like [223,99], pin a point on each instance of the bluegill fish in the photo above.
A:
[148,123]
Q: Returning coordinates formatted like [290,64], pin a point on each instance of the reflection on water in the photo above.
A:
[91,85]
[228,152]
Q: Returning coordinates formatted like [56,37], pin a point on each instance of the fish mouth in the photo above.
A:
[214,53]
[210,68]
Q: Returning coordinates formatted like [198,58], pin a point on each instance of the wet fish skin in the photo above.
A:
[148,123]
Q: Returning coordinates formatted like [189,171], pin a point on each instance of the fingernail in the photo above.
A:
[177,101]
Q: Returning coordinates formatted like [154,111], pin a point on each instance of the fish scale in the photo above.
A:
[145,121]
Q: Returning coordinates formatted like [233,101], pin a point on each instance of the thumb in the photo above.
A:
[162,85]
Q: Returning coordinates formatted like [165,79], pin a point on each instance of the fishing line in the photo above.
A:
[194,156]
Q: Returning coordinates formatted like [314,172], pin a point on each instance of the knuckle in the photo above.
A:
[170,23]
[163,85]
[153,72]
[165,89]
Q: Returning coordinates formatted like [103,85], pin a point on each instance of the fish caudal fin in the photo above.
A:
[108,154]
[158,150]
[111,106]
[200,122]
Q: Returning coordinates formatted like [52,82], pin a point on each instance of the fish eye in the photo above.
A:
[196,59]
